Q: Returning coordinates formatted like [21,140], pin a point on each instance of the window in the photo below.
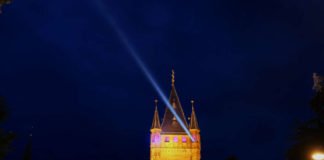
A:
[184,139]
[195,138]
[175,139]
[157,138]
[167,139]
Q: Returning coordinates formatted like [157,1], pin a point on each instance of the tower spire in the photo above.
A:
[170,123]
[156,120]
[173,77]
[193,118]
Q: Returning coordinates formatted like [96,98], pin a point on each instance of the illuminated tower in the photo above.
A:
[155,135]
[169,141]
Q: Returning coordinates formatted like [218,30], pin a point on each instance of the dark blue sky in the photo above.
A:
[247,63]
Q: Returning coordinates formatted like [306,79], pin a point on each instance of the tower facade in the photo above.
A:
[169,139]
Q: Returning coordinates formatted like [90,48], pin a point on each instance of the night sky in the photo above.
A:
[248,65]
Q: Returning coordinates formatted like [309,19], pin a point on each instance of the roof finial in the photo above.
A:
[192,103]
[31,132]
[156,102]
[173,77]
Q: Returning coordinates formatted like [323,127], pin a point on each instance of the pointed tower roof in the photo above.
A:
[193,118]
[156,119]
[170,123]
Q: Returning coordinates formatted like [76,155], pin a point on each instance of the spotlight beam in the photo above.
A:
[142,66]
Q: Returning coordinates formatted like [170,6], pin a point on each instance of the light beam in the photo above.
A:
[142,65]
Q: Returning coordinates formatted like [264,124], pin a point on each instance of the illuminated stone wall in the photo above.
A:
[174,147]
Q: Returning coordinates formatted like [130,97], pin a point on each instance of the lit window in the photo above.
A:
[175,139]
[157,138]
[195,138]
[184,139]
[167,139]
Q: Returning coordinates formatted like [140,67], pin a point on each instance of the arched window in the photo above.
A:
[184,139]
[175,139]
[157,138]
[195,137]
[167,139]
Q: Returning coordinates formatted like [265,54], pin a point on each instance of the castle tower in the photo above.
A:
[155,135]
[169,141]
[195,132]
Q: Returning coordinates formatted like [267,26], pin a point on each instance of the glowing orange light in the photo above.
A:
[318,156]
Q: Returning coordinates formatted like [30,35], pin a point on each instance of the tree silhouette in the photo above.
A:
[5,138]
[28,150]
[232,158]
[309,136]
[3,2]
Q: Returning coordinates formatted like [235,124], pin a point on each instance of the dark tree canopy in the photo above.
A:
[309,136]
[232,158]
[28,150]
[3,2]
[3,111]
[5,138]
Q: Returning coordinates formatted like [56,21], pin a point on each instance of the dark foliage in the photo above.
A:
[5,138]
[28,150]
[3,2]
[3,110]
[317,104]
[232,158]
[309,136]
